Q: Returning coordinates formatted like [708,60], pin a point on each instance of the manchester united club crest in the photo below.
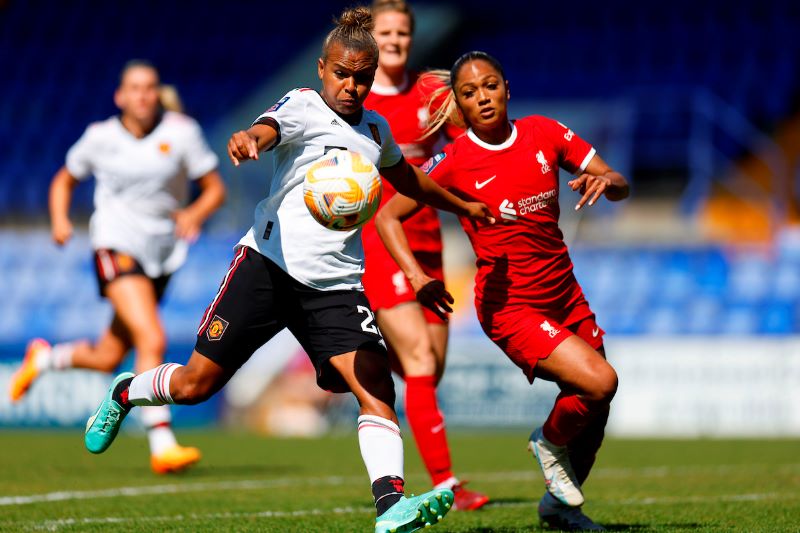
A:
[216,329]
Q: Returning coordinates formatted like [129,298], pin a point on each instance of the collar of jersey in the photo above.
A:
[390,90]
[337,115]
[159,120]
[502,146]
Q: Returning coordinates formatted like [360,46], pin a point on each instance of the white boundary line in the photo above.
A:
[55,525]
[529,475]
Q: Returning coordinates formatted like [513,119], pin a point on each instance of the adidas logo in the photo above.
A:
[335,122]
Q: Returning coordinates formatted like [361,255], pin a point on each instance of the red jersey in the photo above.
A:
[406,110]
[522,259]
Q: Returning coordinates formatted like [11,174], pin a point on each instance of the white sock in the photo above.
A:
[61,355]
[448,483]
[152,387]
[381,447]
[159,433]
[57,357]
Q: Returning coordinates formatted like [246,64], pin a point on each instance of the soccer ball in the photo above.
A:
[342,190]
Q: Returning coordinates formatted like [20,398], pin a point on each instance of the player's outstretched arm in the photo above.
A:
[244,145]
[189,220]
[59,201]
[430,292]
[414,183]
[599,178]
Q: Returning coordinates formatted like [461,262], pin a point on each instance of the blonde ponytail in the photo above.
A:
[170,99]
[441,104]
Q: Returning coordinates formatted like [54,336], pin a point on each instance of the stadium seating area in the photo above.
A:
[61,63]
[633,289]
[656,55]
[61,59]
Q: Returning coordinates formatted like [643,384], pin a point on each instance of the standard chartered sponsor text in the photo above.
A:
[537,201]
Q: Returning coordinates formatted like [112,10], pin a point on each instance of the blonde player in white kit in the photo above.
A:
[142,161]
[290,272]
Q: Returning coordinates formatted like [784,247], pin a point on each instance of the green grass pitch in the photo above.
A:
[251,483]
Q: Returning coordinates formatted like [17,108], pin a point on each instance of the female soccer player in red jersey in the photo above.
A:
[416,336]
[526,295]
[142,161]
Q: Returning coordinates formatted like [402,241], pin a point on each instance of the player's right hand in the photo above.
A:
[435,297]
[241,147]
[61,231]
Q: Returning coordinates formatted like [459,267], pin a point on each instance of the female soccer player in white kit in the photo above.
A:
[290,272]
[142,161]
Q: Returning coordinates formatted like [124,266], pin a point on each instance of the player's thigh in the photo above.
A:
[244,314]
[405,330]
[332,323]
[136,305]
[576,366]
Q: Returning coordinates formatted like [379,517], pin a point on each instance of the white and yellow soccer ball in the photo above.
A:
[342,190]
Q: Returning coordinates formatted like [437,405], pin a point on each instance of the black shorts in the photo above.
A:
[257,299]
[111,264]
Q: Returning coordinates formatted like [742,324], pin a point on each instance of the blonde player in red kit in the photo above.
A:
[416,336]
[526,295]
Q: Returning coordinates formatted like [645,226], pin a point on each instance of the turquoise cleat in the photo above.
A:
[417,512]
[103,425]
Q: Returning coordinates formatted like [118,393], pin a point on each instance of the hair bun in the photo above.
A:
[356,18]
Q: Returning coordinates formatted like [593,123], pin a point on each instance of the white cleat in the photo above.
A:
[555,515]
[559,478]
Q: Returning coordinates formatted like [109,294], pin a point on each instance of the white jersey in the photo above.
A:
[284,230]
[140,184]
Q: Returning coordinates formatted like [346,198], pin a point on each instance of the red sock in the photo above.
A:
[427,424]
[569,416]
[584,446]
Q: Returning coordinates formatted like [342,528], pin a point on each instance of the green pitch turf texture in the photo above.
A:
[251,483]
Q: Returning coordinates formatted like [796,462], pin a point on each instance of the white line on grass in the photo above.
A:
[55,525]
[514,475]
[172,489]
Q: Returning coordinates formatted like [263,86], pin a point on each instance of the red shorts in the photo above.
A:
[386,286]
[527,335]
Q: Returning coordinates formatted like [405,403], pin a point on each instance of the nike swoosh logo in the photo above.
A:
[595,332]
[482,184]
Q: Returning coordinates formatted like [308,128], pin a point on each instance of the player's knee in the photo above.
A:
[605,385]
[421,360]
[152,343]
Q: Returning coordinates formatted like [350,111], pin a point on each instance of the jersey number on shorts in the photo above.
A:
[368,323]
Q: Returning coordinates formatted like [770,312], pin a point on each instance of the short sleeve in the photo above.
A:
[439,167]
[79,156]
[287,116]
[574,152]
[390,151]
[199,159]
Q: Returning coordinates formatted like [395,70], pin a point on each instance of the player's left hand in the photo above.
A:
[479,212]
[435,297]
[590,187]
[187,225]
